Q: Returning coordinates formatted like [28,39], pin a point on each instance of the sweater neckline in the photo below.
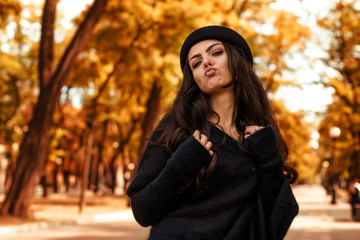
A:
[221,138]
[223,132]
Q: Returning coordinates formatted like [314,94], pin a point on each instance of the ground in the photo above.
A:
[62,207]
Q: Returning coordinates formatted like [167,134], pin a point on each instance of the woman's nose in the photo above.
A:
[207,62]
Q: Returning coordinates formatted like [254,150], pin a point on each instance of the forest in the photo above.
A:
[78,102]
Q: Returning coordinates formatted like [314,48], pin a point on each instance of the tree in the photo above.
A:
[343,26]
[134,50]
[33,150]
[8,8]
[140,41]
[296,131]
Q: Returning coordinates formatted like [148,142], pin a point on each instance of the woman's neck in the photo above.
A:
[224,106]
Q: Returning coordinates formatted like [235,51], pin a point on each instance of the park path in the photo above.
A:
[320,220]
[114,226]
[317,220]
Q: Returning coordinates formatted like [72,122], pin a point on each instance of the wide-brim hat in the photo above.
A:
[216,32]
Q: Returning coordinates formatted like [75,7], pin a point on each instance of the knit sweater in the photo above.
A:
[247,197]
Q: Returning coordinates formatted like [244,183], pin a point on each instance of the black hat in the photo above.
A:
[220,33]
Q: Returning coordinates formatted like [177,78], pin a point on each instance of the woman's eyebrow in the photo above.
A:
[207,50]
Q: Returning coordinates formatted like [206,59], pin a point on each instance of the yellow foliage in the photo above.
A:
[342,90]
[10,65]
[137,43]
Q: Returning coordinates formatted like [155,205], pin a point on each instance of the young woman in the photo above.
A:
[216,166]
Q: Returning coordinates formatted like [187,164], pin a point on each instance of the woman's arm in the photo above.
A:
[155,189]
[279,203]
[264,147]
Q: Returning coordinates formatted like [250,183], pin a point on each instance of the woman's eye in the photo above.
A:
[217,52]
[196,64]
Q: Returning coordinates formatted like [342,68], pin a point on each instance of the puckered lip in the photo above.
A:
[209,71]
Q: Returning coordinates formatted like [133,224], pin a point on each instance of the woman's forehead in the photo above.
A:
[202,46]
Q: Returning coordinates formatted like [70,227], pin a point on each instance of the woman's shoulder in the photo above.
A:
[165,121]
[161,126]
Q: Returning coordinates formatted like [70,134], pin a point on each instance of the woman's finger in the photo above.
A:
[197,135]
[251,130]
[203,139]
[208,145]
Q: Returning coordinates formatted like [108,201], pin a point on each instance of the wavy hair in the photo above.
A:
[192,110]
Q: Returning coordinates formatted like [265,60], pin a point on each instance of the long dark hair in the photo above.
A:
[192,110]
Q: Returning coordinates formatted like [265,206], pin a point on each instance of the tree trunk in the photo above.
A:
[91,168]
[46,49]
[152,112]
[54,177]
[86,167]
[99,174]
[124,169]
[34,148]
[99,161]
[32,155]
[113,170]
[123,141]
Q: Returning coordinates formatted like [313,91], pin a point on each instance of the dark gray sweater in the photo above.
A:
[247,197]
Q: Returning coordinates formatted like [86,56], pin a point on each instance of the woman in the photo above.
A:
[214,167]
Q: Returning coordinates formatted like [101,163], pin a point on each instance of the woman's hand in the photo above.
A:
[204,141]
[251,130]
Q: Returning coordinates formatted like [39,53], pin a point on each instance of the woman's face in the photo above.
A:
[209,65]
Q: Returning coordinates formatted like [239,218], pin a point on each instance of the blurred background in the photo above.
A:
[83,83]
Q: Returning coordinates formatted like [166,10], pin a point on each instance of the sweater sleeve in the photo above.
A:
[155,189]
[283,213]
[265,149]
